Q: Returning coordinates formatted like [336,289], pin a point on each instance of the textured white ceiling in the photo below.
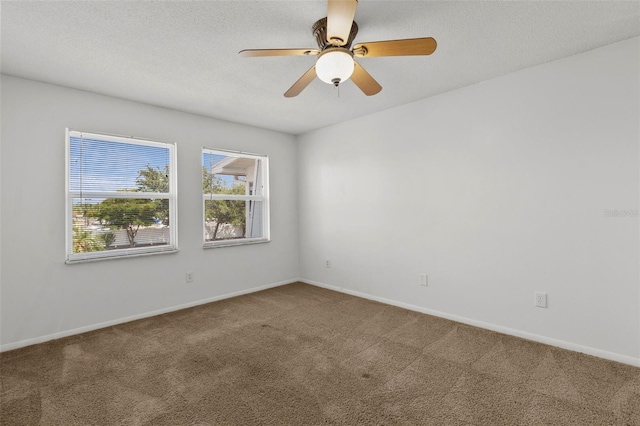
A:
[183,54]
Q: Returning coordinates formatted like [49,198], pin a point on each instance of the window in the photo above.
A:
[121,197]
[235,198]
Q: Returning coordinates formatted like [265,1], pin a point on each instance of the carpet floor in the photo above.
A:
[303,355]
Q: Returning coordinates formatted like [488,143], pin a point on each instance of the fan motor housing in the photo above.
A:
[319,30]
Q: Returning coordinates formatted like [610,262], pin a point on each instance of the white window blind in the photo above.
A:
[235,198]
[121,197]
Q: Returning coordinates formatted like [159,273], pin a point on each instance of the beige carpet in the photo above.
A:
[302,355]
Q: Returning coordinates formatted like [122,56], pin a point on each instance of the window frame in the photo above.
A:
[128,252]
[264,198]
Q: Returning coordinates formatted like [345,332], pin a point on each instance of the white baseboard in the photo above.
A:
[65,333]
[612,356]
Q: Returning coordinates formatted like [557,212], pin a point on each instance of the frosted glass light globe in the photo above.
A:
[334,67]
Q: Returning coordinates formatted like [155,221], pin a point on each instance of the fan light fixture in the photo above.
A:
[335,65]
[336,58]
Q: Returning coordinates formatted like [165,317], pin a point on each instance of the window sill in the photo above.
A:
[231,243]
[120,256]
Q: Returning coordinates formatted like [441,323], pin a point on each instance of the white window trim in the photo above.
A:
[172,196]
[264,198]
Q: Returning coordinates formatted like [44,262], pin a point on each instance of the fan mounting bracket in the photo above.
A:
[319,30]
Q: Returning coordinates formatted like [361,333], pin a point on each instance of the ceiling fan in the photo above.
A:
[335,64]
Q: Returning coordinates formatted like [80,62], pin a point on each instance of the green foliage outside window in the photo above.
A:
[84,241]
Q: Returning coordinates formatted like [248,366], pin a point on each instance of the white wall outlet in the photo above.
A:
[189,277]
[540,299]
[327,263]
[424,280]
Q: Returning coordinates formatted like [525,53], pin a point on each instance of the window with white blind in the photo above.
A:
[235,198]
[121,197]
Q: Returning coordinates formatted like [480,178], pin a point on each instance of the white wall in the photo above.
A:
[495,190]
[41,296]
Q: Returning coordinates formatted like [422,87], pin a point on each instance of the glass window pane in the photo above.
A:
[115,223]
[103,165]
[222,174]
[233,219]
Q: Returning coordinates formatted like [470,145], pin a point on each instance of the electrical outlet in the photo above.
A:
[424,280]
[327,263]
[540,299]
[189,277]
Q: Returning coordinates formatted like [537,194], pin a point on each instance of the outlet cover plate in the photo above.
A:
[424,280]
[540,299]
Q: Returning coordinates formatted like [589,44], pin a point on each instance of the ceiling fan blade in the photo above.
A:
[247,53]
[340,14]
[302,83]
[406,47]
[364,81]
